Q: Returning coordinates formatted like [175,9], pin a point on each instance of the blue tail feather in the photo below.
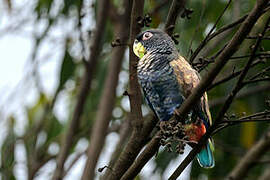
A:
[205,157]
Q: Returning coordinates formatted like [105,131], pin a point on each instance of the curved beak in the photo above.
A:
[138,49]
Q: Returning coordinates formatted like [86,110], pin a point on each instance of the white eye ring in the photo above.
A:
[147,36]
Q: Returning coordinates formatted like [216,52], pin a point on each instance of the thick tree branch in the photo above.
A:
[113,13]
[84,89]
[128,156]
[150,150]
[134,144]
[156,9]
[176,8]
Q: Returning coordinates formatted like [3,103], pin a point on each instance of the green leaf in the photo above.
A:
[67,70]
[7,152]
[35,112]
[43,7]
[69,4]
[53,129]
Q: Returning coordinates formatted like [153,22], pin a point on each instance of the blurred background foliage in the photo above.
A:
[43,129]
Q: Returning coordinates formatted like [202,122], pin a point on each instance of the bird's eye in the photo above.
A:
[147,35]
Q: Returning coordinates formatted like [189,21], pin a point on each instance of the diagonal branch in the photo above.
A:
[150,150]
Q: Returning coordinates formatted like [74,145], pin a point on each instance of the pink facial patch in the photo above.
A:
[147,36]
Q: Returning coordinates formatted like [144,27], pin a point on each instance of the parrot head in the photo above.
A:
[153,41]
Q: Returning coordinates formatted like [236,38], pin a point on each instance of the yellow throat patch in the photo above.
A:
[138,49]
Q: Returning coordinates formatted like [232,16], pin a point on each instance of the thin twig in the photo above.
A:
[257,80]
[145,156]
[248,92]
[204,42]
[197,28]
[236,122]
[78,156]
[254,37]
[262,72]
[231,76]
[261,55]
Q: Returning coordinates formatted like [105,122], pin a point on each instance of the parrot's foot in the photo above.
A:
[166,132]
[173,131]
